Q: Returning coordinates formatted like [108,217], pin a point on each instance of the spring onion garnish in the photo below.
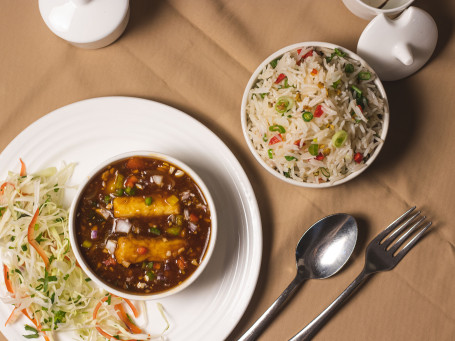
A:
[357,90]
[307,116]
[339,138]
[264,138]
[270,152]
[148,201]
[335,84]
[290,158]
[278,128]
[364,75]
[338,53]
[284,104]
[274,62]
[313,149]
[349,68]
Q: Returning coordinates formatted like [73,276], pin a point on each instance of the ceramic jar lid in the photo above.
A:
[86,23]
[396,48]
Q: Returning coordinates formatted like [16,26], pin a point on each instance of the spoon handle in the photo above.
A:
[257,328]
[308,332]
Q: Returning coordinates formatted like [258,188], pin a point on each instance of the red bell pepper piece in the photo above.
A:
[358,157]
[275,139]
[280,78]
[318,112]
[306,55]
[320,157]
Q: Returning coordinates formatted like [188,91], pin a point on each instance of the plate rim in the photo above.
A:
[245,192]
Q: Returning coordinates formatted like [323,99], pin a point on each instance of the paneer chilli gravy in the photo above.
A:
[143,225]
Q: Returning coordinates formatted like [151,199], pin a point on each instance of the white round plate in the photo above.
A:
[94,130]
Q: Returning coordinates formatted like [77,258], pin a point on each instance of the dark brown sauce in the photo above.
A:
[142,226]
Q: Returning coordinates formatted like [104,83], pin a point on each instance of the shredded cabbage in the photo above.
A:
[59,297]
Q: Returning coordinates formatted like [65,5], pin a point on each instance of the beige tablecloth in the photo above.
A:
[198,56]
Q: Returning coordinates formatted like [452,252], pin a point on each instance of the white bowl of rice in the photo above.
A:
[315,114]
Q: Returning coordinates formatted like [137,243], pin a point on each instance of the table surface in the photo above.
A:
[197,56]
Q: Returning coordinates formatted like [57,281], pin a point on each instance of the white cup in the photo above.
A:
[368,9]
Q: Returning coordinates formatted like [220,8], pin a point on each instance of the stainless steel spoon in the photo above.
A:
[321,252]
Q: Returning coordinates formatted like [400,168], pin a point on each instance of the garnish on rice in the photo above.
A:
[324,99]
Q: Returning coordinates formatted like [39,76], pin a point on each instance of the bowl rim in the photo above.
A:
[208,251]
[253,79]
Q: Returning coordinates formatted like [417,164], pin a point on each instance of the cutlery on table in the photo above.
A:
[321,252]
[381,255]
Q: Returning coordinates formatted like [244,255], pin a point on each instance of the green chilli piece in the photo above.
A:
[307,116]
[335,84]
[278,128]
[313,149]
[270,152]
[290,158]
[284,104]
[339,138]
[325,172]
[364,75]
[349,68]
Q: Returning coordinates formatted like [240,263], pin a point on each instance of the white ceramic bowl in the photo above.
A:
[128,294]
[253,150]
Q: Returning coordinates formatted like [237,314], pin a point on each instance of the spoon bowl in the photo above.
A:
[320,253]
[326,246]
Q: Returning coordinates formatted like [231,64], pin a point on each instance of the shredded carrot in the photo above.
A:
[8,283]
[122,314]
[32,240]
[23,169]
[11,316]
[36,323]
[2,187]
[132,307]
[97,307]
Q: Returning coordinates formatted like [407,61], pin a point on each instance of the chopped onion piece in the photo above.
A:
[179,173]
[158,179]
[122,225]
[186,213]
[192,226]
[185,195]
[126,264]
[111,245]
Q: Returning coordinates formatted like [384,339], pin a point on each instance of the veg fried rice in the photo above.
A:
[315,115]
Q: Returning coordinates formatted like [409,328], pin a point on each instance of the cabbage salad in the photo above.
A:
[42,279]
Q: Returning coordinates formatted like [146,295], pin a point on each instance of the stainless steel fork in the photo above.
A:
[381,255]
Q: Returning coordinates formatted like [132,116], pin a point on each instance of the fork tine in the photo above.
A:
[411,244]
[403,238]
[396,233]
[397,222]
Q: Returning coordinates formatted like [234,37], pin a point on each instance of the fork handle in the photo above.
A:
[308,332]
